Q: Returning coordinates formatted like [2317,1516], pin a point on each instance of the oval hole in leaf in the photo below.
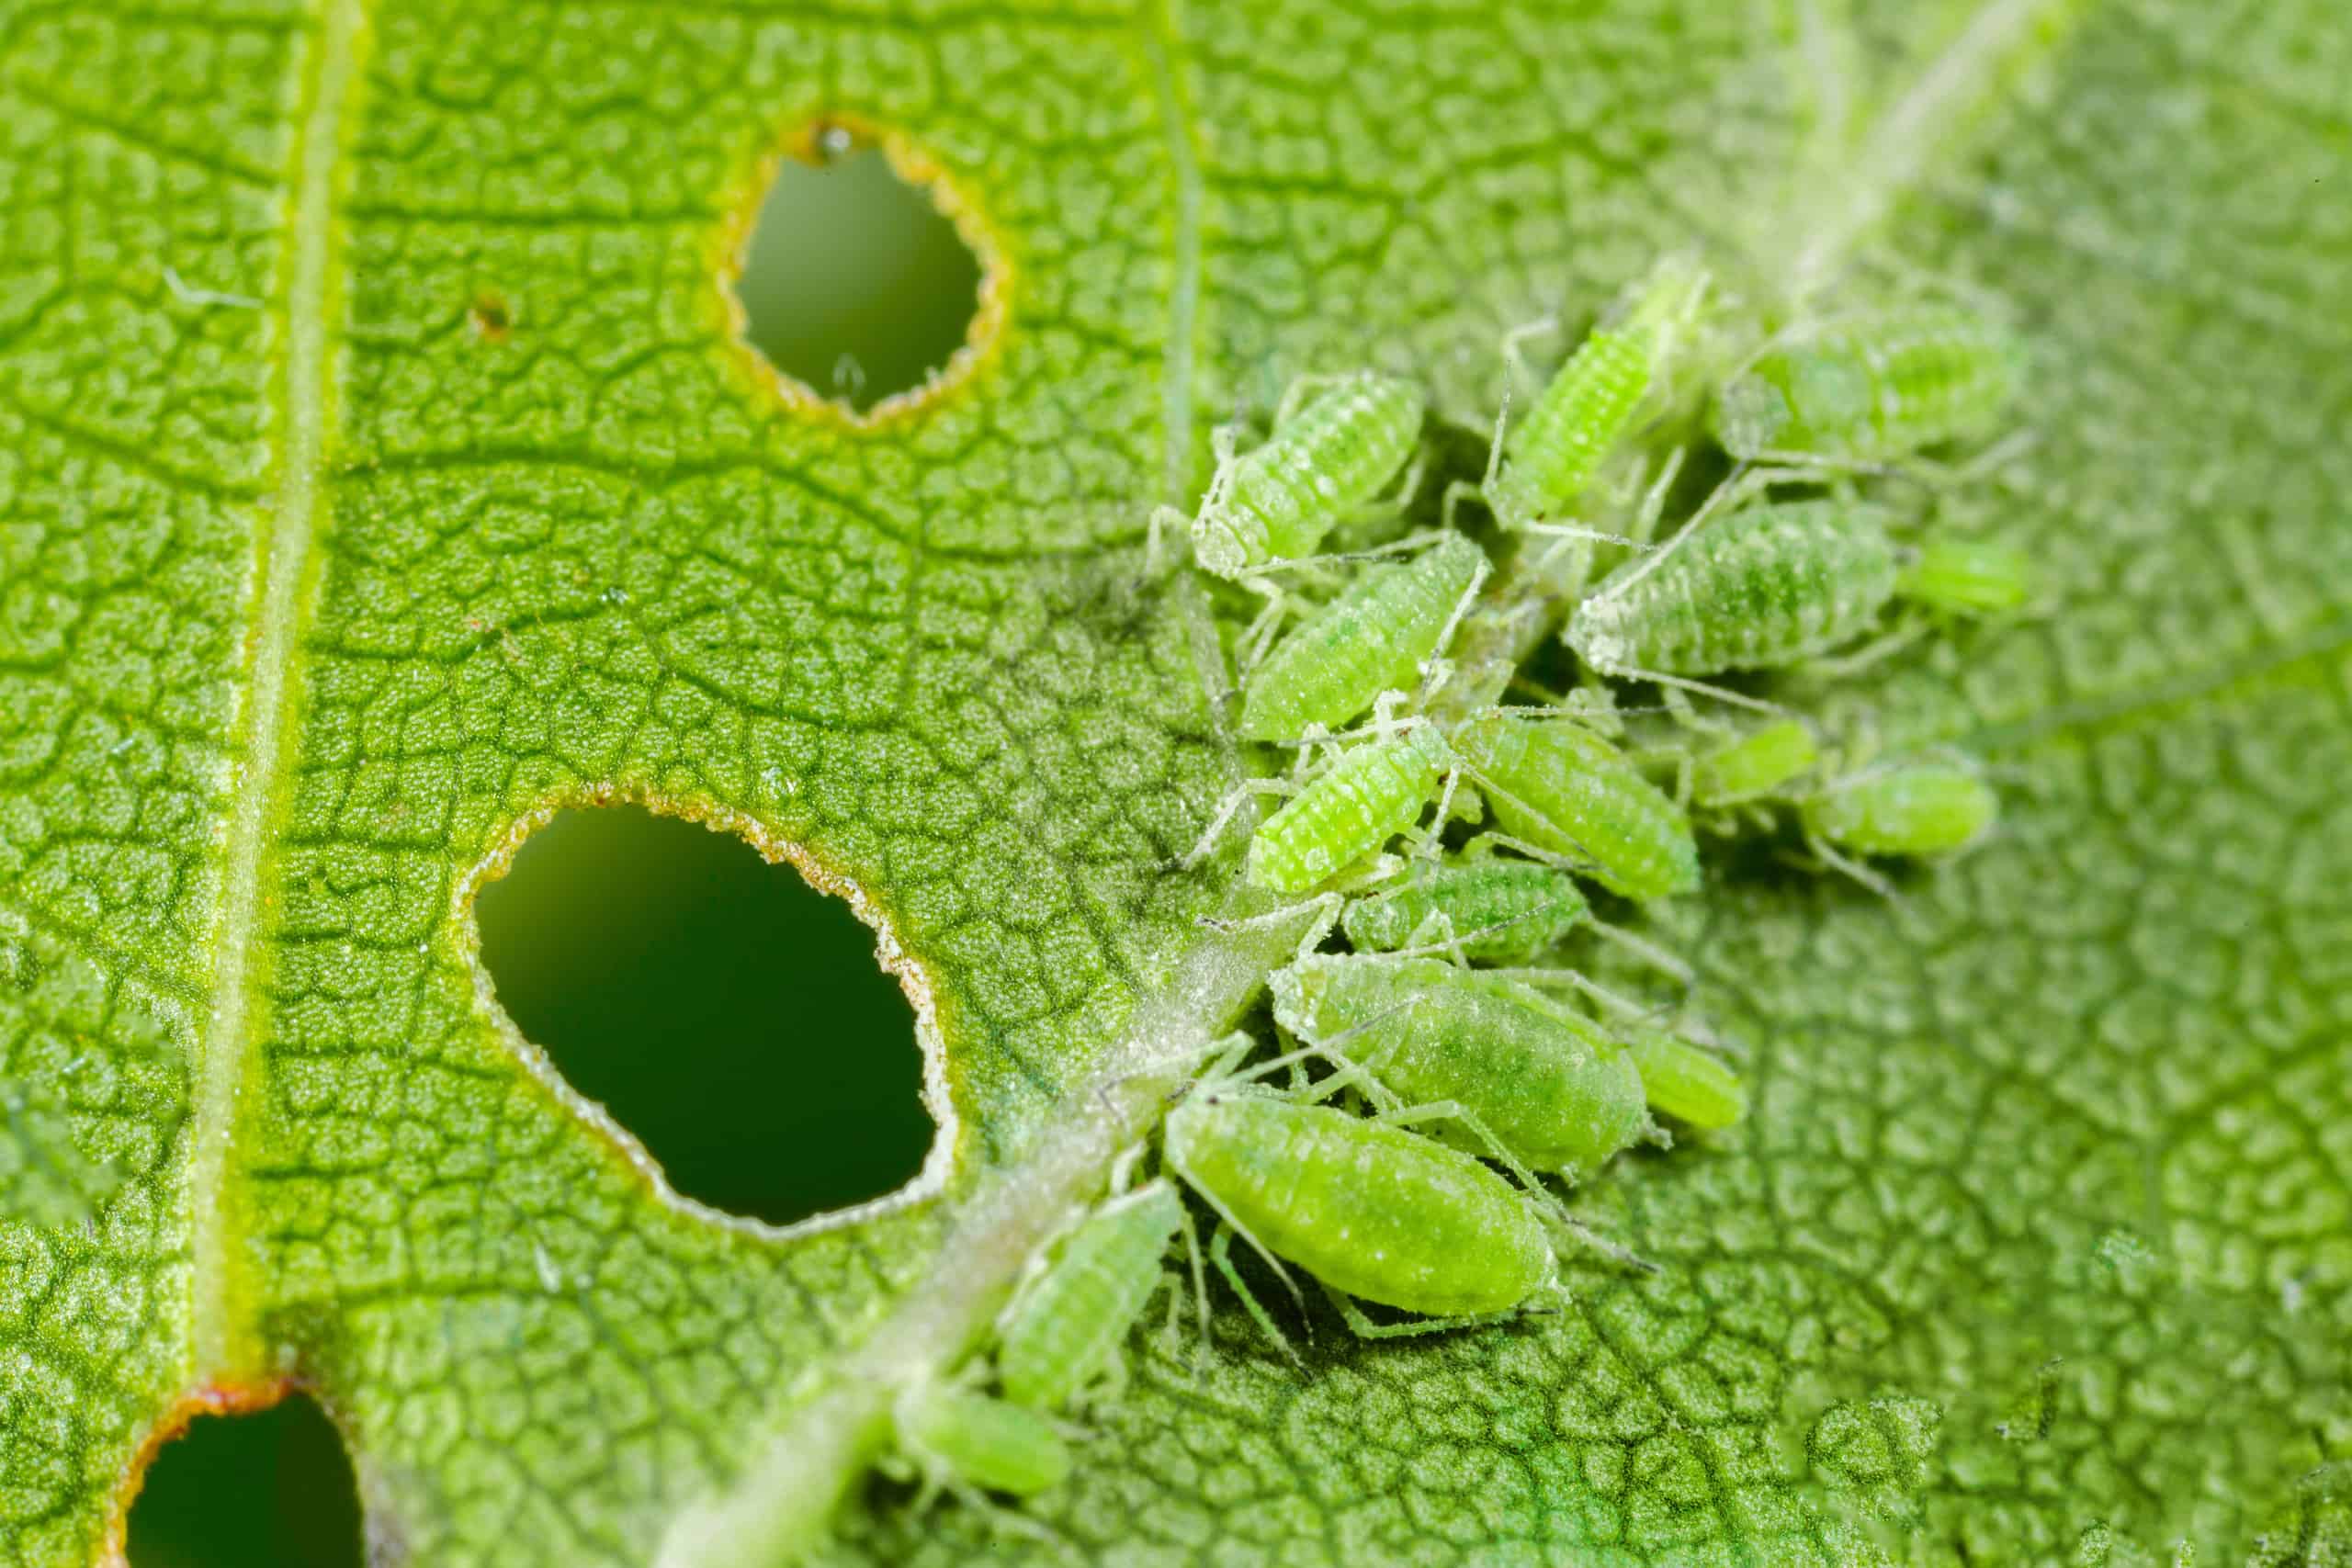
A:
[268,1489]
[855,284]
[730,1017]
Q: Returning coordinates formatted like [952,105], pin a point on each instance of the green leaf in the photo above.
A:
[2038,1244]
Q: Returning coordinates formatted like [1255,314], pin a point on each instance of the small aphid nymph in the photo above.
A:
[1915,809]
[1758,766]
[1502,911]
[1063,1332]
[961,1440]
[1369,794]
[1873,388]
[1685,1082]
[1950,575]
[1567,792]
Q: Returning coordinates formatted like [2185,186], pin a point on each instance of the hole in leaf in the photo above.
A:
[856,284]
[271,1489]
[732,1018]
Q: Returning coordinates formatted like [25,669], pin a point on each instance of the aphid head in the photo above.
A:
[1596,634]
[1750,413]
[1218,545]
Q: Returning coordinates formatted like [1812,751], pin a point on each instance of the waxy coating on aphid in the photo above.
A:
[1872,388]
[1685,1082]
[1759,764]
[1378,1211]
[1374,637]
[1504,911]
[1334,456]
[1567,791]
[1553,1088]
[1368,795]
[1915,808]
[1065,1328]
[1585,411]
[979,1440]
[1967,577]
[1765,587]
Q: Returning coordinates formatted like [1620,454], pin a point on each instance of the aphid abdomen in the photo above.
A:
[1376,1211]
[1872,388]
[1685,1082]
[1767,586]
[1545,1082]
[1921,808]
[1756,765]
[1069,1325]
[981,1440]
[1334,455]
[1370,639]
[1570,793]
[1367,797]
[1516,910]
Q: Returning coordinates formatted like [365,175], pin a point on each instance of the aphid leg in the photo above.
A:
[1736,486]
[1649,952]
[1221,1254]
[1669,685]
[1585,1236]
[1363,1327]
[1435,670]
[1302,385]
[1226,809]
[1192,1235]
[1161,517]
[1462,1117]
[1870,653]
[1588,987]
[1823,852]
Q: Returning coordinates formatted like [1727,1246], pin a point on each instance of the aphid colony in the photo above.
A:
[1402,1142]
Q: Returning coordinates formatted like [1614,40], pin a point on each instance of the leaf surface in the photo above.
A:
[2038,1244]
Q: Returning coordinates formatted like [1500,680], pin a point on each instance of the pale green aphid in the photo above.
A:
[1685,1082]
[1583,414]
[1872,388]
[1323,461]
[1503,911]
[1519,1072]
[1063,1332]
[1915,809]
[1972,577]
[1758,765]
[961,1439]
[1377,636]
[1369,794]
[1566,791]
[1367,1207]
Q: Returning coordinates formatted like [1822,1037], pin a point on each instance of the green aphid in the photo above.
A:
[962,1439]
[1064,1331]
[1541,1083]
[1369,794]
[1582,416]
[1918,810]
[1323,461]
[1766,587]
[1567,792]
[1368,1208]
[1376,636]
[1685,1082]
[1967,577]
[1758,766]
[1501,911]
[1872,389]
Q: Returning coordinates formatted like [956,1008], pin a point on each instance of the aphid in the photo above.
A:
[1757,766]
[1504,911]
[1967,577]
[1685,1082]
[1367,1207]
[1519,1072]
[1376,636]
[1872,388]
[1918,809]
[1322,461]
[1580,417]
[962,1439]
[1367,797]
[1065,1329]
[1566,791]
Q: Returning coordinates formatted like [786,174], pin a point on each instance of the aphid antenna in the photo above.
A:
[1720,693]
[1734,483]
[1363,1327]
[1235,799]
[1450,945]
[1616,1252]
[1577,980]
[1648,952]
[1309,381]
[1410,545]
[1591,535]
[1435,669]
[1483,489]
[1823,855]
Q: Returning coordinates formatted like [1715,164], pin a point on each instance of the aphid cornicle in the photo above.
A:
[1765,587]
[1331,456]
[1370,1209]
[1567,791]
[1369,794]
[1064,1331]
[1872,388]
[1546,1084]
[1915,809]
[1757,766]
[1504,911]
[1685,1082]
[1583,413]
[958,1438]
[1374,637]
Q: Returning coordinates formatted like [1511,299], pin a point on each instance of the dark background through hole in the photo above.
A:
[856,285]
[728,1015]
[269,1489]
